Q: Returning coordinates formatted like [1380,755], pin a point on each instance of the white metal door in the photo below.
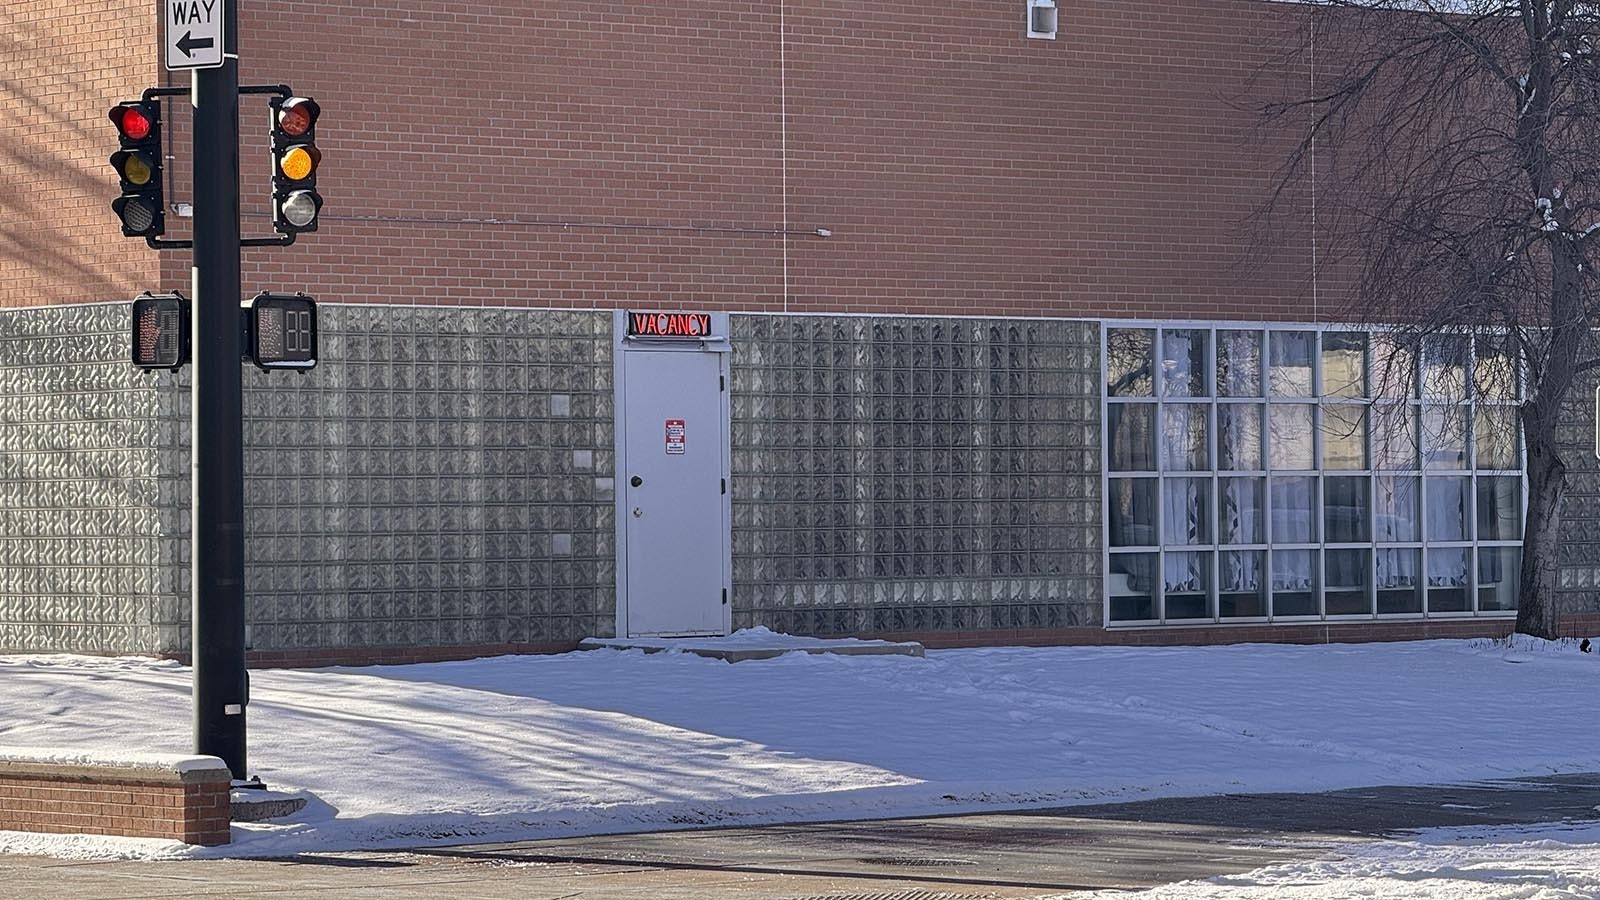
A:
[672,482]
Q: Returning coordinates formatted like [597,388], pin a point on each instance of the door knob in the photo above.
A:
[636,481]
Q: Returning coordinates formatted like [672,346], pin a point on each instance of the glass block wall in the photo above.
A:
[443,477]
[90,488]
[1579,578]
[914,474]
[1291,473]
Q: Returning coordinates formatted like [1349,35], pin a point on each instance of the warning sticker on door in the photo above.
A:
[675,437]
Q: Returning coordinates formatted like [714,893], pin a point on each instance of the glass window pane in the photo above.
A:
[1447,579]
[1290,442]
[1239,363]
[1239,437]
[1344,364]
[1242,584]
[1398,584]
[1241,518]
[1394,437]
[1129,354]
[1497,435]
[1290,372]
[1186,512]
[1183,363]
[1344,510]
[1184,444]
[1346,576]
[1131,587]
[1499,508]
[1394,366]
[1187,585]
[1395,509]
[1294,510]
[1494,372]
[1499,569]
[1294,587]
[1131,511]
[1444,437]
[1447,509]
[1444,367]
[1131,437]
[1344,436]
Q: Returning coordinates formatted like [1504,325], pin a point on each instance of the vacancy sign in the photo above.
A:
[194,34]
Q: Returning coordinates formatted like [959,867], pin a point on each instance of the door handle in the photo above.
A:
[636,481]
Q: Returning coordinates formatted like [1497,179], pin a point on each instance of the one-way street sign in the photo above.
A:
[194,34]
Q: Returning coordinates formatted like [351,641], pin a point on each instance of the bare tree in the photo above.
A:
[1453,150]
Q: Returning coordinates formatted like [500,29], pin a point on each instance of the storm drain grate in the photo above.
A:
[915,862]
[897,895]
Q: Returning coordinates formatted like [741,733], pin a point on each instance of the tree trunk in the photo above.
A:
[1541,563]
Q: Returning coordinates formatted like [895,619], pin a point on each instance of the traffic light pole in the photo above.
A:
[217,535]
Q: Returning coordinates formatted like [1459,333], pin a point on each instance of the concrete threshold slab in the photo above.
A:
[756,643]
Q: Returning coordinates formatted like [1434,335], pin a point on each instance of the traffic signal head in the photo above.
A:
[160,331]
[138,166]
[138,122]
[295,157]
[283,331]
[296,118]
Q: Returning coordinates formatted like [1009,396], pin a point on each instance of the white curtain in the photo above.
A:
[1294,510]
[1395,515]
[1185,507]
[1241,510]
[1292,570]
[1397,568]
[1447,567]
[1447,509]
[1185,573]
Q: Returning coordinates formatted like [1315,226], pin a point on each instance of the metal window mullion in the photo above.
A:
[1158,388]
[1105,477]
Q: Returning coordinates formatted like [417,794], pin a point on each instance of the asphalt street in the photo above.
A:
[1032,854]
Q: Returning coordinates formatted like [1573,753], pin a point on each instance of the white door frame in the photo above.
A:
[718,343]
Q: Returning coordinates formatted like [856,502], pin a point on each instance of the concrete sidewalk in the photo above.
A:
[1012,855]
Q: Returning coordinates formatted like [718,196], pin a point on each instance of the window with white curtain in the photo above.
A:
[1294,472]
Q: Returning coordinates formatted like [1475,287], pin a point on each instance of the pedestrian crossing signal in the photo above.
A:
[160,331]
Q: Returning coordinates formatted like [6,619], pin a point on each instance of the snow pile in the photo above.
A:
[607,741]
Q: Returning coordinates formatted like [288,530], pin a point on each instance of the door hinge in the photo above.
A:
[724,485]
[722,382]
[724,596]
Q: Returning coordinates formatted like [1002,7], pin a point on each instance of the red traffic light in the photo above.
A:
[135,120]
[297,116]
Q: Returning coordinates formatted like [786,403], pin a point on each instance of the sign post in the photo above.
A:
[217,573]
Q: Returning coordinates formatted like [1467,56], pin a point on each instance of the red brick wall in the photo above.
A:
[552,156]
[1573,625]
[192,807]
[64,66]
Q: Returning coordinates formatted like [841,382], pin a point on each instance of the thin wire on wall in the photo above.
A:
[783,139]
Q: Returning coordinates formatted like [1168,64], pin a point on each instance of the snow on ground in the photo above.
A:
[609,741]
[1542,862]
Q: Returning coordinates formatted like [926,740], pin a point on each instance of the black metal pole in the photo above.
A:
[217,537]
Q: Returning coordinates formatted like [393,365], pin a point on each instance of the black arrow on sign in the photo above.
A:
[190,42]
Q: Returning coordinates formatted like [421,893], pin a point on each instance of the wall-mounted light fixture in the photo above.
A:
[1042,19]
